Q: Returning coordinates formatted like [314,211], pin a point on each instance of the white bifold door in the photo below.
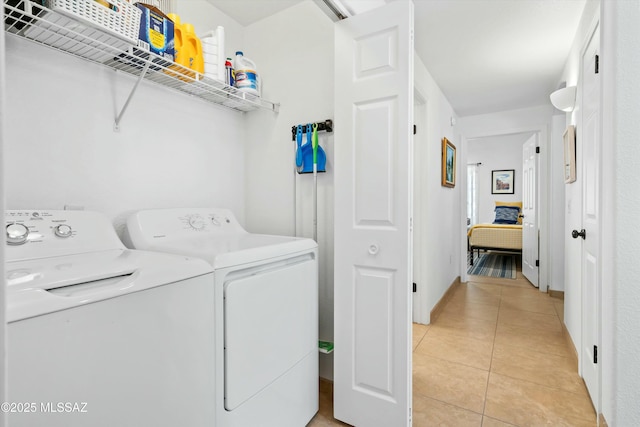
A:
[373,208]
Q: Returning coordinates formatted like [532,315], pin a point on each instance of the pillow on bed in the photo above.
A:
[507,215]
[517,204]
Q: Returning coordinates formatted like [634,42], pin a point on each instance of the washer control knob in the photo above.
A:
[196,222]
[17,234]
[63,230]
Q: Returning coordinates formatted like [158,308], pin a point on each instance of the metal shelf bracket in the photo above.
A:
[116,124]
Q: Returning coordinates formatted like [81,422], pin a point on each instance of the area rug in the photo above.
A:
[494,265]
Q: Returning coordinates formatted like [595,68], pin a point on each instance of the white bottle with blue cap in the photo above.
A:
[246,76]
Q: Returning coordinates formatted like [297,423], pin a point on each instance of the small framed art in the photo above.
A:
[448,163]
[502,181]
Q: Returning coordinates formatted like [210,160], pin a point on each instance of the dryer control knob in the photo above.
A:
[63,230]
[17,234]
[197,222]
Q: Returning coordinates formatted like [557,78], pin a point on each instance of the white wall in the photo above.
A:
[440,207]
[171,151]
[537,120]
[498,152]
[293,51]
[557,204]
[621,317]
[204,17]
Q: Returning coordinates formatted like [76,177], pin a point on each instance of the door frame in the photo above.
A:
[543,203]
[421,314]
[531,271]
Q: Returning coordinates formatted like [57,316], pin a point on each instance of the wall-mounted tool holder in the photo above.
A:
[326,126]
[310,157]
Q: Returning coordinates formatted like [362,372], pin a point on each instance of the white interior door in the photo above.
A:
[373,206]
[529,206]
[590,144]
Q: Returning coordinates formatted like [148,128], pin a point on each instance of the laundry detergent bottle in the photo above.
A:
[178,39]
[188,47]
[196,59]
[246,76]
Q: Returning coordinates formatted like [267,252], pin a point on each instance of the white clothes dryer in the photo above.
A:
[266,312]
[100,335]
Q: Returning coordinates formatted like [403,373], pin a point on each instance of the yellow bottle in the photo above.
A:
[194,47]
[188,49]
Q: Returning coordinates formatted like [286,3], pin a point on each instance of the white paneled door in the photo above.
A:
[529,211]
[591,214]
[373,209]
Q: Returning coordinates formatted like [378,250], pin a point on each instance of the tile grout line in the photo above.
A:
[493,349]
[540,385]
[423,335]
[449,404]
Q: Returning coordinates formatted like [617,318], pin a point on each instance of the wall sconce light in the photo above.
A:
[564,99]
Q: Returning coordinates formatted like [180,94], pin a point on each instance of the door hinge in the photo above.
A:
[415,287]
[597,64]
[595,354]
[537,263]
[415,129]
[538,150]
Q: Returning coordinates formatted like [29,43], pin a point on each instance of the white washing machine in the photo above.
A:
[266,312]
[100,335]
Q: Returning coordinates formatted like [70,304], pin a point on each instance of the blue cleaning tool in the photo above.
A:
[308,152]
[299,149]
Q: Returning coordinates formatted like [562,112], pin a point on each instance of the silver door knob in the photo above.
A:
[373,249]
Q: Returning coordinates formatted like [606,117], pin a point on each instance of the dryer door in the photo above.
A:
[271,323]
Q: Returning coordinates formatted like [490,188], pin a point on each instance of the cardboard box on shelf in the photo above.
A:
[156,31]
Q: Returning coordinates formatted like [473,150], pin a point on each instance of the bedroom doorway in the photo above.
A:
[488,157]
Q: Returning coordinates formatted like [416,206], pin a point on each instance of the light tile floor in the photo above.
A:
[496,356]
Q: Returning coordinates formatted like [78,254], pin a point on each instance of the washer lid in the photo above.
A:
[235,249]
[45,285]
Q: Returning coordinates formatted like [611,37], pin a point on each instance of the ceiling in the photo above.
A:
[486,55]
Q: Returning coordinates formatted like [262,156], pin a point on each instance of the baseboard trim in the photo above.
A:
[556,294]
[437,309]
[601,421]
[571,345]
[574,353]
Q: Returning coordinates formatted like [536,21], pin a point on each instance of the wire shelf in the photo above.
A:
[38,24]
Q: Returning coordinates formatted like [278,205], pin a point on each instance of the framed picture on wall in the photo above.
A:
[448,163]
[569,139]
[502,181]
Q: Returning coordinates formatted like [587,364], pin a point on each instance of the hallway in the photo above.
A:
[495,356]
